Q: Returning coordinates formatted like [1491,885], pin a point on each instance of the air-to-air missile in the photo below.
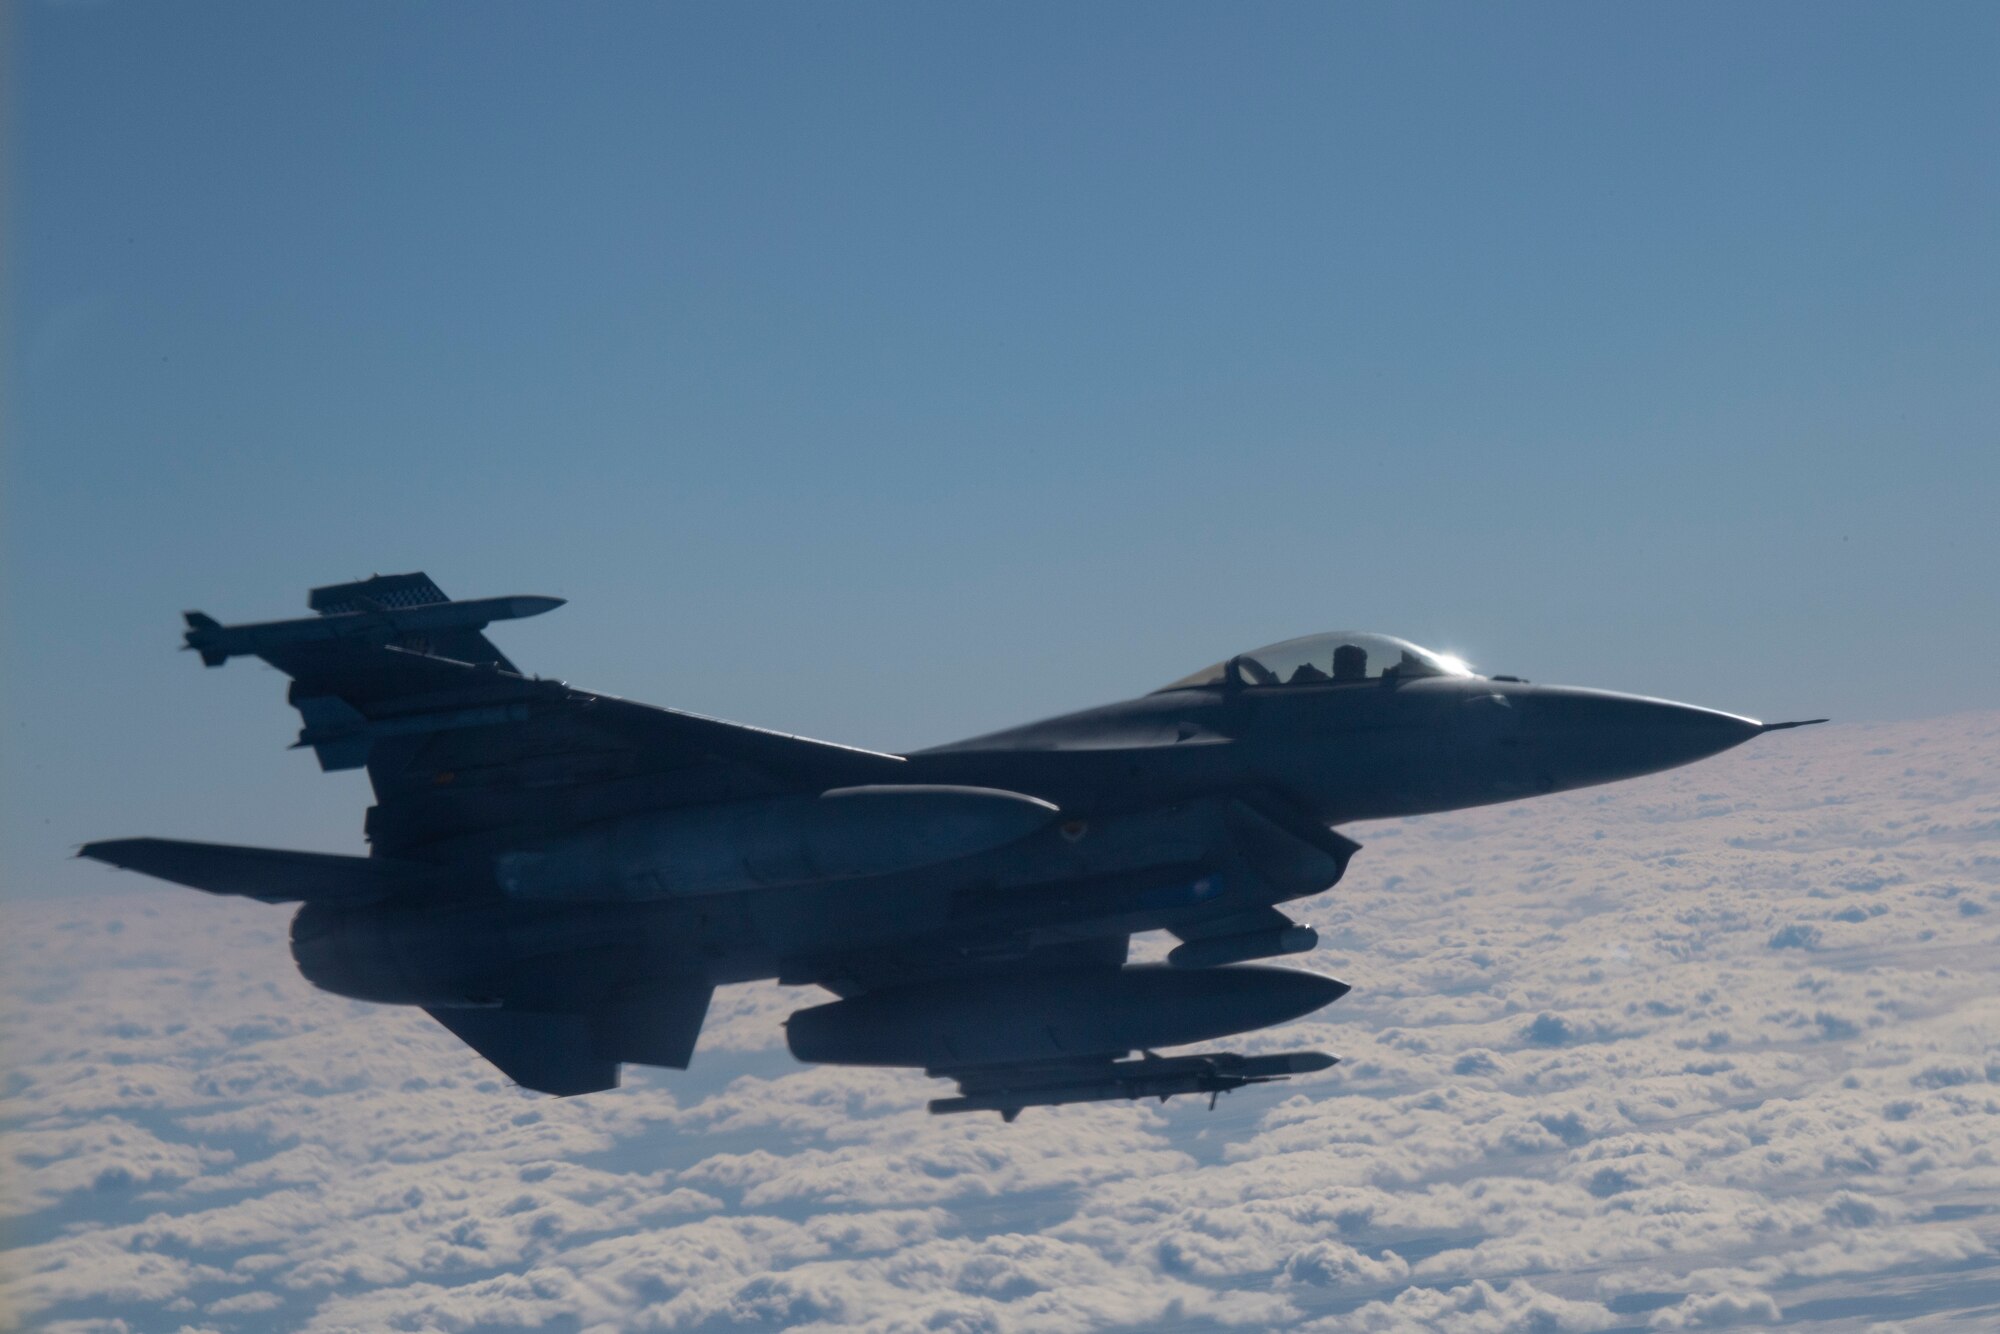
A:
[367,620]
[1149,1076]
[562,878]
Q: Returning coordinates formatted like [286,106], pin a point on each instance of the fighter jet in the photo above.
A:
[562,878]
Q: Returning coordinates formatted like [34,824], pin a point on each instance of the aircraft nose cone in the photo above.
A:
[1595,736]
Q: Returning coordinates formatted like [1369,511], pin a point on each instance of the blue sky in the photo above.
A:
[889,373]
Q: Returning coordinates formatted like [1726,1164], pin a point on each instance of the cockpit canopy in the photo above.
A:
[1338,658]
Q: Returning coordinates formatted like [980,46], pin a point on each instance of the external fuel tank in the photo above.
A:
[1052,1016]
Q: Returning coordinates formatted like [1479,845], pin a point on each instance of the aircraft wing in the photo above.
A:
[579,1051]
[526,755]
[456,747]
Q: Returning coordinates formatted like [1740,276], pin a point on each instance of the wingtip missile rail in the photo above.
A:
[217,643]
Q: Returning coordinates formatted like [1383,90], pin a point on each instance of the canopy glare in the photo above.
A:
[1339,658]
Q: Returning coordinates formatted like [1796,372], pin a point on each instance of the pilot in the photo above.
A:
[1350,663]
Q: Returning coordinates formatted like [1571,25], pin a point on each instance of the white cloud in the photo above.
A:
[1580,1090]
[1719,1310]
[1478,1308]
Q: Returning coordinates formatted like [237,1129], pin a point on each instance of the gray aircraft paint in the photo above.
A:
[562,878]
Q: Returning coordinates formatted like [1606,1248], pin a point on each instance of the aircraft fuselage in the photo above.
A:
[562,878]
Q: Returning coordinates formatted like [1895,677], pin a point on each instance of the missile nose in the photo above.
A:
[531,604]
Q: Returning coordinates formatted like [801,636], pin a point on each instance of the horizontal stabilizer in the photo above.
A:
[271,875]
[578,1051]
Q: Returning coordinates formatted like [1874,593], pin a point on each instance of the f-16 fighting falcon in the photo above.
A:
[563,878]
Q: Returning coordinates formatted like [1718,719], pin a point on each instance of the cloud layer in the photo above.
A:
[1716,1048]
